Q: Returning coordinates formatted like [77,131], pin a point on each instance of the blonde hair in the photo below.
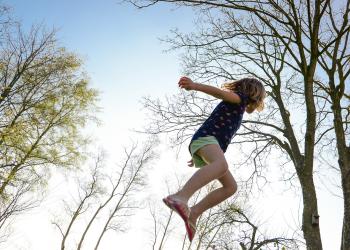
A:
[252,88]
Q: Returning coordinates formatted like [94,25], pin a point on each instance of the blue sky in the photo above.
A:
[125,61]
[119,43]
[120,47]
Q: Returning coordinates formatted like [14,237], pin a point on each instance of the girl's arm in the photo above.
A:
[228,96]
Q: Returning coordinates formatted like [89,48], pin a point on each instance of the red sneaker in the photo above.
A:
[184,212]
[190,229]
[175,205]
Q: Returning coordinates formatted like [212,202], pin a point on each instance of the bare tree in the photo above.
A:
[96,199]
[247,233]
[335,61]
[88,193]
[161,226]
[280,43]
[19,203]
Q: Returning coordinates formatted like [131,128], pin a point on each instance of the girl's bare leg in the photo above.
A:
[229,187]
[217,168]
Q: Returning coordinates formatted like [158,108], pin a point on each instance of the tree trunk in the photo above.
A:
[344,165]
[345,162]
[310,224]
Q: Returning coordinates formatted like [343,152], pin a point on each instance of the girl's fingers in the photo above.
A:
[190,163]
[184,83]
[184,79]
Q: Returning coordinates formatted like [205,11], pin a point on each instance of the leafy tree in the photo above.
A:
[45,101]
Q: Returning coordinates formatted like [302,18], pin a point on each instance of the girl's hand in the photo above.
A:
[190,163]
[186,83]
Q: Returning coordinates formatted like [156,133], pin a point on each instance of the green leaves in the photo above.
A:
[46,101]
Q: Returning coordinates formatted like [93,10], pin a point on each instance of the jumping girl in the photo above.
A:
[210,142]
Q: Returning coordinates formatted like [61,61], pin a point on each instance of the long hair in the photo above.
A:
[252,88]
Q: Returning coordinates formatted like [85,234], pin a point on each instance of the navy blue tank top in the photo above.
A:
[223,122]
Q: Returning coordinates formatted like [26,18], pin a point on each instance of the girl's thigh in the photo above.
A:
[210,153]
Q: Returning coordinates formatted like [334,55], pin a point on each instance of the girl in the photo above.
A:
[209,143]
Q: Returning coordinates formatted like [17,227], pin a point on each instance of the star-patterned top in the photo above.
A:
[223,122]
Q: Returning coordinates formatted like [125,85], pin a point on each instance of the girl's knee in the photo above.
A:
[234,187]
[231,189]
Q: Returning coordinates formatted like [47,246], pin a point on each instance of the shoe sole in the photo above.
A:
[175,207]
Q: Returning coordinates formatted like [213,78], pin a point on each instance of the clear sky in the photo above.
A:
[125,60]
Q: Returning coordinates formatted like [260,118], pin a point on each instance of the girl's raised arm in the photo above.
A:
[228,96]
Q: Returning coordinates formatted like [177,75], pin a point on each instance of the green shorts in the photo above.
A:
[196,145]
